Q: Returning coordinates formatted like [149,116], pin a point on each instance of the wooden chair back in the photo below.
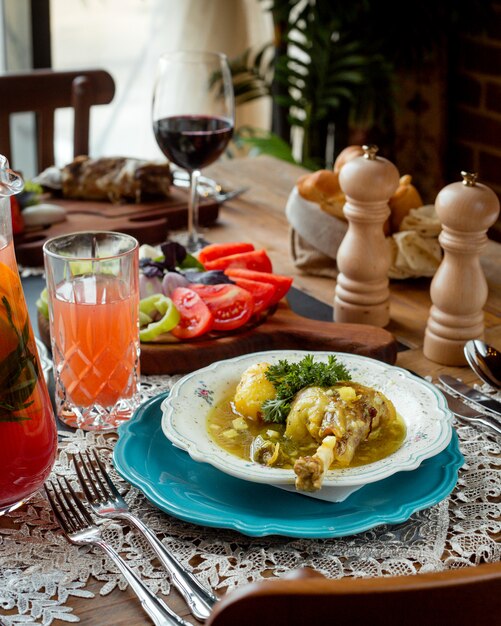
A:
[44,91]
[470,596]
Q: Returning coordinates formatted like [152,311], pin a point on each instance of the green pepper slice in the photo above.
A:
[165,307]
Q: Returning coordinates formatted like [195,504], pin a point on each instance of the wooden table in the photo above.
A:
[258,216]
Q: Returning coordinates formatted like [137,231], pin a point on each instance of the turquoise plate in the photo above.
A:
[199,493]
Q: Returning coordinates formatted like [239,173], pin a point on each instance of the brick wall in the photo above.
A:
[474,108]
[421,127]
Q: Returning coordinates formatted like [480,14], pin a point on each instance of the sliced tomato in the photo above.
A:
[230,305]
[281,283]
[262,293]
[196,318]
[256,260]
[218,250]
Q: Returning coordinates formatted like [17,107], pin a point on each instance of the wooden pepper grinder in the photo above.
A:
[363,259]
[459,289]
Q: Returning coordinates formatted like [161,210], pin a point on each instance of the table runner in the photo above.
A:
[40,571]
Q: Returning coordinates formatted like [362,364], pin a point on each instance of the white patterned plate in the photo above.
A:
[422,406]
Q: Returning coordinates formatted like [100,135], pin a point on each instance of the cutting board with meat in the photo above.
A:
[111,193]
[149,222]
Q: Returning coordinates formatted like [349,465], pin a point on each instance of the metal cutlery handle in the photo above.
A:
[199,599]
[467,414]
[485,420]
[159,612]
[224,196]
[479,399]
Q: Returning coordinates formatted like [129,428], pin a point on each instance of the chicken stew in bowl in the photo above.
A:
[325,427]
[193,398]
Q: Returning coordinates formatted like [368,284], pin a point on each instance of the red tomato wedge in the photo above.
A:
[218,250]
[262,293]
[256,260]
[230,305]
[281,283]
[196,318]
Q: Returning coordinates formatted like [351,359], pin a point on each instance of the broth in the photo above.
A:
[224,427]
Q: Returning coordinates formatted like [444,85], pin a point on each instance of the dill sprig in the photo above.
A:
[18,372]
[289,378]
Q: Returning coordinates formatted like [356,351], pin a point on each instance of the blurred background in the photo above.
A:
[310,76]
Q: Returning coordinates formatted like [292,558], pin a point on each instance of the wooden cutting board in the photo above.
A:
[284,330]
[149,222]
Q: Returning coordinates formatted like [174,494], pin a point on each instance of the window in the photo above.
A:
[126,37]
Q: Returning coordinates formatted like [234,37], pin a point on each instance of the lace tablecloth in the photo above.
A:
[40,571]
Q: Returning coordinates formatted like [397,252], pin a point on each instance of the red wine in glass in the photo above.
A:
[193,113]
[193,141]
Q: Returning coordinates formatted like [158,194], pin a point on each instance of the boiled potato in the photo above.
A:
[253,390]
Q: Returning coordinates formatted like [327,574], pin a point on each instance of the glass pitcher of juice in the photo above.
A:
[28,434]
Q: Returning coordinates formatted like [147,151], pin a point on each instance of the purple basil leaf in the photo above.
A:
[174,254]
[152,270]
[212,277]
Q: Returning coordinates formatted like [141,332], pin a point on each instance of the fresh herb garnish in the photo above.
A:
[289,378]
[209,277]
[18,373]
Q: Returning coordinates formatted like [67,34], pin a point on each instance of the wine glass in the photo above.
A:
[193,117]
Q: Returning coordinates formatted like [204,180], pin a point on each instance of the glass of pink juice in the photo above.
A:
[92,282]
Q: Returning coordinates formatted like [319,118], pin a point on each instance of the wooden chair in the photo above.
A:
[44,91]
[466,597]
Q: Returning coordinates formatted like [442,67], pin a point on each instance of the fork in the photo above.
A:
[224,196]
[106,501]
[79,529]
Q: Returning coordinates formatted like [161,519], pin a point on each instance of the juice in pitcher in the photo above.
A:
[28,436]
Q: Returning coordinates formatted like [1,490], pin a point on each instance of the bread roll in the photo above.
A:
[318,185]
[323,188]
[405,198]
[349,153]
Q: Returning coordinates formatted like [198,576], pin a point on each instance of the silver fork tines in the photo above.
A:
[79,529]
[92,485]
[76,516]
[106,501]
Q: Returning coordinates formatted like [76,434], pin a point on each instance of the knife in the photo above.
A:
[464,412]
[482,400]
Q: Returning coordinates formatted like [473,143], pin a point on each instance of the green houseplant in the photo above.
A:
[315,74]
[333,69]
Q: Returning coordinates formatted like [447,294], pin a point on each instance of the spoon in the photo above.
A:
[485,361]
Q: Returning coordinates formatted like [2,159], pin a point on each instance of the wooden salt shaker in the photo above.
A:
[363,259]
[459,289]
